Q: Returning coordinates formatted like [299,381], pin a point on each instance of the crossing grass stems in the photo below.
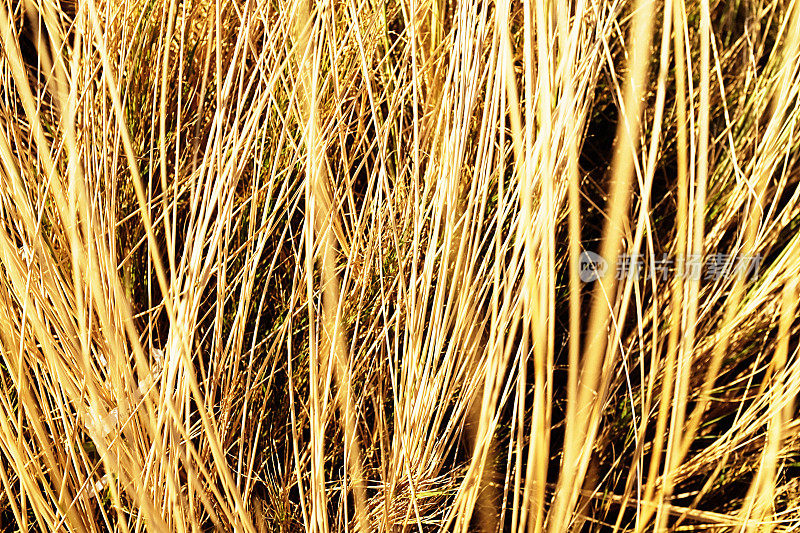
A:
[280,265]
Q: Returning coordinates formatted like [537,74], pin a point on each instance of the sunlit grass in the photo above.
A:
[291,266]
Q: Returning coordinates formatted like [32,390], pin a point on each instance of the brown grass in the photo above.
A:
[283,266]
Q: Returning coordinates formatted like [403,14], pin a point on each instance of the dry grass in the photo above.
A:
[281,266]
